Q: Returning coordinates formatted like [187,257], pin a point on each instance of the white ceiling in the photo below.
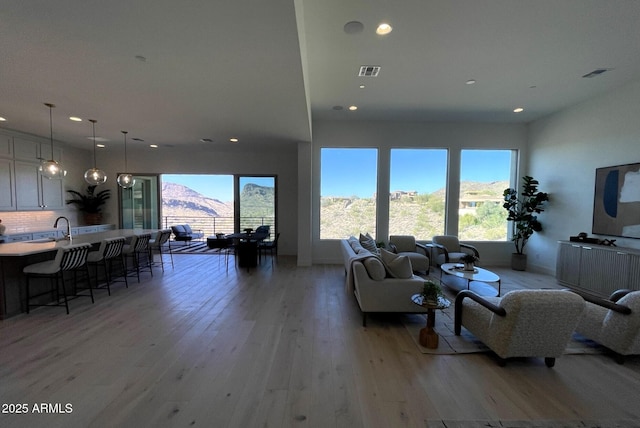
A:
[251,69]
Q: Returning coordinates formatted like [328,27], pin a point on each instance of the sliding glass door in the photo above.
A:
[140,205]
[256,201]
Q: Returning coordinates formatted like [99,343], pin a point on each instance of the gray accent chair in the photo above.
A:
[522,323]
[613,322]
[449,249]
[406,245]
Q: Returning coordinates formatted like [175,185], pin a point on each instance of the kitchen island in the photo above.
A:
[16,255]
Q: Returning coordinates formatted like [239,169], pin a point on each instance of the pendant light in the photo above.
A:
[125,180]
[50,168]
[95,176]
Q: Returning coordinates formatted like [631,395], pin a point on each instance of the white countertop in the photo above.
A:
[25,248]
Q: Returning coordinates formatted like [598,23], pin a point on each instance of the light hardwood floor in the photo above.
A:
[277,347]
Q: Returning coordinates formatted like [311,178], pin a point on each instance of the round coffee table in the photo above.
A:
[480,276]
[428,336]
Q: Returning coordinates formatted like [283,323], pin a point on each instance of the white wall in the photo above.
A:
[565,149]
[387,135]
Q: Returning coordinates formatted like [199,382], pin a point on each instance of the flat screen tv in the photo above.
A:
[616,206]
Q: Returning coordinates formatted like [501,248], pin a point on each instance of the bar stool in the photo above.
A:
[68,258]
[157,244]
[138,246]
[110,250]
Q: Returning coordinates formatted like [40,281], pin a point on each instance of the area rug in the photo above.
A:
[194,248]
[467,343]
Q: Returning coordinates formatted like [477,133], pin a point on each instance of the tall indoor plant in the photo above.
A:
[90,203]
[522,209]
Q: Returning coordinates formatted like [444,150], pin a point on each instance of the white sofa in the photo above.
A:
[378,295]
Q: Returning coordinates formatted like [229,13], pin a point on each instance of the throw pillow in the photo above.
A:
[357,247]
[375,268]
[397,266]
[369,243]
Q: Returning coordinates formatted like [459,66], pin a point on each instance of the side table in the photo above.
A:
[428,336]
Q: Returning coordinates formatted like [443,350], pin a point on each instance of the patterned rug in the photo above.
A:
[193,248]
[467,343]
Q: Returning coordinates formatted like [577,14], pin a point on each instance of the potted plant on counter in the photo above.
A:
[522,209]
[90,203]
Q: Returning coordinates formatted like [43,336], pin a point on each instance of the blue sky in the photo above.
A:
[352,172]
[214,186]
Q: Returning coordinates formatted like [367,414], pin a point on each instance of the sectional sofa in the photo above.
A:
[375,288]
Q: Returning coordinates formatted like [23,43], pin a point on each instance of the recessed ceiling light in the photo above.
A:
[75,119]
[233,140]
[153,146]
[361,86]
[353,27]
[100,145]
[518,110]
[2,119]
[384,29]
[353,108]
[470,82]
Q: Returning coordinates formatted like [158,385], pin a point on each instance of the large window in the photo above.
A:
[418,189]
[348,180]
[484,174]
[205,202]
[219,203]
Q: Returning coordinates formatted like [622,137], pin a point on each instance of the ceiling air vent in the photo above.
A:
[369,71]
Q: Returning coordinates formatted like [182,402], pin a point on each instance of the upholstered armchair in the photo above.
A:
[522,323]
[613,322]
[417,253]
[449,249]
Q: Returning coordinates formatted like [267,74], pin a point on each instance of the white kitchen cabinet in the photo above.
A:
[33,192]
[7,187]
[21,185]
[26,149]
[6,146]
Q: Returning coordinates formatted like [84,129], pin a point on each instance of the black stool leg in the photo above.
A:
[64,291]
[28,277]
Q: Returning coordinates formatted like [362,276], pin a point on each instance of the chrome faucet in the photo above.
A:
[68,234]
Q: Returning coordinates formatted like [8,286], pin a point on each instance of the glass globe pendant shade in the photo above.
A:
[52,170]
[126,181]
[95,176]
